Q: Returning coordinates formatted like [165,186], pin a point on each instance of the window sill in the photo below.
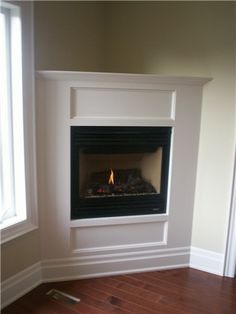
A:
[15,227]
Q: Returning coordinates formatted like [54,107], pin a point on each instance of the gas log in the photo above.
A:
[117,182]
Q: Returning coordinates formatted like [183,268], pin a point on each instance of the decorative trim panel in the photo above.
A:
[122,102]
[118,236]
[122,220]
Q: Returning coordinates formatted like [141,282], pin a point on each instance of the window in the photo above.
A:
[12,167]
[17,199]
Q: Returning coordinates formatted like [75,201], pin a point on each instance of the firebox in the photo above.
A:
[119,171]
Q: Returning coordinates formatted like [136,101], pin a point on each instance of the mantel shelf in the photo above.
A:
[121,78]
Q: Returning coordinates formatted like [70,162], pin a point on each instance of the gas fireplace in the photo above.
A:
[119,171]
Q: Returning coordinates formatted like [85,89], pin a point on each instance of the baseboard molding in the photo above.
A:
[208,261]
[102,264]
[91,264]
[20,284]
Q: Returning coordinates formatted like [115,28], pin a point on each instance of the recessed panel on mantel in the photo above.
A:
[122,102]
[118,235]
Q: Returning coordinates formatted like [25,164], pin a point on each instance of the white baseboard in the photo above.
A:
[208,261]
[103,264]
[91,265]
[20,284]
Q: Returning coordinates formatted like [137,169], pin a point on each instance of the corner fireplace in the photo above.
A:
[119,171]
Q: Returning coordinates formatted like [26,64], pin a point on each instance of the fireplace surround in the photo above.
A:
[90,247]
[119,171]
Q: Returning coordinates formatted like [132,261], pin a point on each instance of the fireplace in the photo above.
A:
[137,229]
[119,171]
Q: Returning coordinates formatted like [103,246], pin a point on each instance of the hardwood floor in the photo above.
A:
[182,291]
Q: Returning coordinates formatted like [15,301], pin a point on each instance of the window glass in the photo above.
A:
[12,164]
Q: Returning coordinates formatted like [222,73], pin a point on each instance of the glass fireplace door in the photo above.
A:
[119,171]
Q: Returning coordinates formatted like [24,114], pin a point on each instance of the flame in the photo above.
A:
[111,178]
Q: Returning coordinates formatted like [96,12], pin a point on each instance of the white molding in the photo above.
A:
[208,261]
[108,221]
[123,248]
[16,230]
[230,255]
[92,264]
[30,115]
[87,266]
[20,284]
[98,265]
[114,273]
[126,121]
[121,78]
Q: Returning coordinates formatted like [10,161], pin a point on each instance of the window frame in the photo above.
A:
[17,226]
[7,114]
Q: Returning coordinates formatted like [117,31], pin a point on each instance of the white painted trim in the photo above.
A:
[208,261]
[126,121]
[91,264]
[108,221]
[76,259]
[114,273]
[20,284]
[16,230]
[30,118]
[86,266]
[104,264]
[126,247]
[121,77]
[230,255]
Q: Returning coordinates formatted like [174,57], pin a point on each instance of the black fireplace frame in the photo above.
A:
[113,140]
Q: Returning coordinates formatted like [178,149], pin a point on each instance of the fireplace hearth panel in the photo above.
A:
[119,171]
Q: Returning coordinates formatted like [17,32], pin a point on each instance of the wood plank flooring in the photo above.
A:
[182,291]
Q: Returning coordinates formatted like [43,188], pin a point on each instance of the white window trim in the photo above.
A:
[15,226]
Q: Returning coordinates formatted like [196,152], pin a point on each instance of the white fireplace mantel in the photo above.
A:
[103,246]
